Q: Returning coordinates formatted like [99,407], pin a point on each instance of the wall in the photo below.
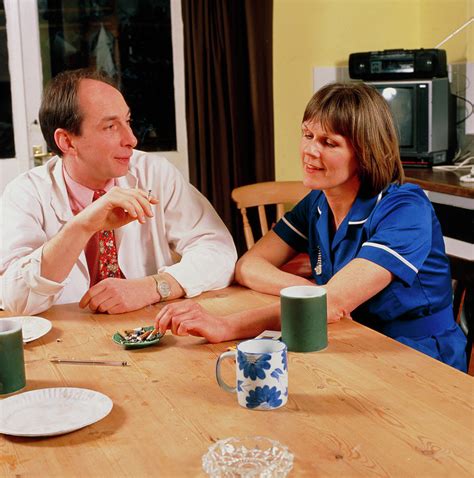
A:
[309,33]
[439,18]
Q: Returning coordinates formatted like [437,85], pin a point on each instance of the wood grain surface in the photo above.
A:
[440,181]
[366,406]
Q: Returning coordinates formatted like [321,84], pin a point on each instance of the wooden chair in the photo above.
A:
[263,194]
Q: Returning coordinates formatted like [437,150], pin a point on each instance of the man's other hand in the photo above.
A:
[116,296]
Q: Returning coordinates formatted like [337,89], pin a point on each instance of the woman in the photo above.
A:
[373,241]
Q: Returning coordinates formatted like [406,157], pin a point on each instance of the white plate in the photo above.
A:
[33,327]
[52,411]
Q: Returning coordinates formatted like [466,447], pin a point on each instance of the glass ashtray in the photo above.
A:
[247,457]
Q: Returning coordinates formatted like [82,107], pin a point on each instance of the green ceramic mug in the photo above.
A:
[12,362]
[304,318]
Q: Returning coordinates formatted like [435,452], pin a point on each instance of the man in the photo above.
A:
[100,223]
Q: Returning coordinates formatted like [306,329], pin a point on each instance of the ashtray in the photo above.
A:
[247,457]
[137,338]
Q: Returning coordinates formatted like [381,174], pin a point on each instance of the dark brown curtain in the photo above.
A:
[229,99]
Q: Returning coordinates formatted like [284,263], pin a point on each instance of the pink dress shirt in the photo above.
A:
[79,198]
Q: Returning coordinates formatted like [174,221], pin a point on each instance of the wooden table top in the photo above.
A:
[365,406]
[440,181]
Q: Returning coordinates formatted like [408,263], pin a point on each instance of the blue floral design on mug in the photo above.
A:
[253,365]
[264,397]
[277,373]
[261,367]
[284,359]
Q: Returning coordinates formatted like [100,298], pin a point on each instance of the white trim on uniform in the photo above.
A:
[353,223]
[391,251]
[293,228]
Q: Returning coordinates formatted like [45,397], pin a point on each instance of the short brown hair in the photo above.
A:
[59,106]
[359,113]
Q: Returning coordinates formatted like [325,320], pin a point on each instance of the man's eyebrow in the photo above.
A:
[113,117]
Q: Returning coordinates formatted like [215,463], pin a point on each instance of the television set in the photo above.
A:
[424,113]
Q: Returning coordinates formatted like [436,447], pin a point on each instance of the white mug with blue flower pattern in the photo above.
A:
[262,374]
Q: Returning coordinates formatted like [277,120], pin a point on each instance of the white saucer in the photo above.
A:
[52,411]
[33,327]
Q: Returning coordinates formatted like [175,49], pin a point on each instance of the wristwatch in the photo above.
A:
[162,286]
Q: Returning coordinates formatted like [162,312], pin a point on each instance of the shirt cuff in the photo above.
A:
[191,284]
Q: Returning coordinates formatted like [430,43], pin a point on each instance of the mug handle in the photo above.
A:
[220,380]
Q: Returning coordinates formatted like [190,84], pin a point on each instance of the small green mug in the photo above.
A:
[12,361]
[304,318]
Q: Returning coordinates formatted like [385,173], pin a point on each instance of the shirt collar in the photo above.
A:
[80,196]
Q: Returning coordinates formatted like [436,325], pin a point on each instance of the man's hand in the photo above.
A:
[116,296]
[115,209]
[189,318]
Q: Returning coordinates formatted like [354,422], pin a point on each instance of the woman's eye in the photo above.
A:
[330,144]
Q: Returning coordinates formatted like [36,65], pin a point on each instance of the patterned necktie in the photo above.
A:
[108,262]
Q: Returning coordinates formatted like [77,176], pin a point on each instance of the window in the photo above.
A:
[7,145]
[131,41]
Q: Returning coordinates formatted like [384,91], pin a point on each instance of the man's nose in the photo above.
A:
[128,138]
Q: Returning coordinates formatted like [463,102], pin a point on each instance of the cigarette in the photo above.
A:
[149,194]
[91,362]
[153,334]
[144,336]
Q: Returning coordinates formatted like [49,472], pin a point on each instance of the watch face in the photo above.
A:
[164,289]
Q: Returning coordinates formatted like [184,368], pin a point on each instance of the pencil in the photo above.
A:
[91,362]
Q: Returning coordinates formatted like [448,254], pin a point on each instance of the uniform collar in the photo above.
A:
[362,208]
[358,215]
[359,212]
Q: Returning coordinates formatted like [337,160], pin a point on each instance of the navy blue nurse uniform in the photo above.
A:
[397,230]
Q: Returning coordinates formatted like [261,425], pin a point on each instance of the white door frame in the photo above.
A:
[26,76]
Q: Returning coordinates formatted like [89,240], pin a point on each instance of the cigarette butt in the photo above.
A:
[153,334]
[144,335]
[232,347]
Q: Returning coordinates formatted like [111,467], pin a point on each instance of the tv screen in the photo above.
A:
[424,114]
[401,101]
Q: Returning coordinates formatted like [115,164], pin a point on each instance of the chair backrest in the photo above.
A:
[263,194]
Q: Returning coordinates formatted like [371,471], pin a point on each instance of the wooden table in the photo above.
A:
[365,406]
[446,182]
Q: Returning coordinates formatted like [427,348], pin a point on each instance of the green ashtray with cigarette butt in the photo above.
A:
[137,338]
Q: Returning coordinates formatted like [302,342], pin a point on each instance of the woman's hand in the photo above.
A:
[189,318]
